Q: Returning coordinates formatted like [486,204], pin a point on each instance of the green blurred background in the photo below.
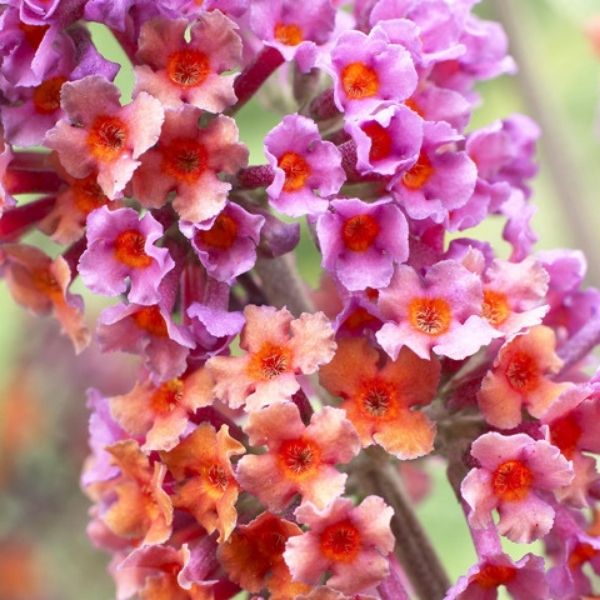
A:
[43,417]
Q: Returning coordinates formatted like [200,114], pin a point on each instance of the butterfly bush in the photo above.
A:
[265,445]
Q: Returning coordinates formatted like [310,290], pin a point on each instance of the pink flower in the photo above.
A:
[440,312]
[188,161]
[351,543]
[278,349]
[515,473]
[299,459]
[101,135]
[176,71]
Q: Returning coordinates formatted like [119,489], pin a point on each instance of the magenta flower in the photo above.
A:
[307,169]
[101,135]
[515,472]
[150,332]
[188,160]
[352,543]
[362,242]
[176,71]
[441,312]
[226,244]
[299,459]
[370,72]
[388,141]
[121,246]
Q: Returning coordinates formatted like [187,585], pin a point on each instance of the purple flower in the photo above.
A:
[361,242]
[213,328]
[150,332]
[387,141]
[34,110]
[304,164]
[119,245]
[226,244]
[443,178]
[370,71]
[294,28]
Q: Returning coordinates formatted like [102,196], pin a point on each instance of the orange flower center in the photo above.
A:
[221,235]
[149,319]
[340,542]
[420,173]
[46,96]
[522,372]
[359,232]
[565,434]
[296,170]
[359,81]
[377,400]
[185,160]
[512,481]
[87,194]
[34,34]
[290,35]
[129,249]
[217,477]
[492,576]
[188,68]
[495,307]
[269,362]
[581,554]
[167,396]
[299,458]
[431,316]
[107,138]
[381,141]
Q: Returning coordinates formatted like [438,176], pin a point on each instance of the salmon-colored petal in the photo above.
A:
[410,435]
[326,486]
[265,324]
[131,460]
[546,393]
[499,402]
[276,422]
[166,430]
[131,410]
[195,450]
[231,381]
[312,342]
[335,435]
[354,359]
[198,389]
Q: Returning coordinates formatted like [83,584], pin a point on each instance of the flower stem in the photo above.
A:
[413,548]
[17,221]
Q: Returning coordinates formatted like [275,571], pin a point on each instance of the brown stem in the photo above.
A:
[581,344]
[282,285]
[413,548]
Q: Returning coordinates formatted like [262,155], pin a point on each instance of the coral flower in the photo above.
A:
[161,413]
[379,400]
[206,487]
[142,511]
[253,557]
[101,135]
[188,161]
[520,377]
[299,459]
[6,156]
[176,71]
[514,475]
[352,543]
[278,348]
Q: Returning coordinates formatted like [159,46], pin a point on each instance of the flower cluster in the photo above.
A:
[252,452]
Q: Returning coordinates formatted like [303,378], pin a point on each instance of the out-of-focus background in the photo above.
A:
[44,552]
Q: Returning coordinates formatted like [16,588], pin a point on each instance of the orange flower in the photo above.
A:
[201,465]
[40,284]
[253,557]
[143,511]
[521,377]
[378,401]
